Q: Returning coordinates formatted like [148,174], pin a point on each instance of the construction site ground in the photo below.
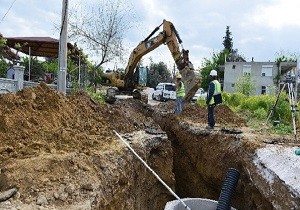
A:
[61,152]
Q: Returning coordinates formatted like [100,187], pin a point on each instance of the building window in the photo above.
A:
[246,70]
[232,85]
[263,90]
[266,70]
[233,66]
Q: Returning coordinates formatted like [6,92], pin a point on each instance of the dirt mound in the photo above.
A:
[41,120]
[197,114]
[50,142]
[223,114]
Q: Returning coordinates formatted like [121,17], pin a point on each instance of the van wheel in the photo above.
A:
[153,98]
[160,98]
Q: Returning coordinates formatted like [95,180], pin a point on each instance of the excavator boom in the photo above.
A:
[170,37]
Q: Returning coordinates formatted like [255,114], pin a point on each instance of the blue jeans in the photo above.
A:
[178,109]
[211,117]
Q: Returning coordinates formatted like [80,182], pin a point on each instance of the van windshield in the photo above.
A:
[170,87]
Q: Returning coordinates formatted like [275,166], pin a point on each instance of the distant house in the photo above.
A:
[264,75]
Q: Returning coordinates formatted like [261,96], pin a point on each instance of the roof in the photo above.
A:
[39,46]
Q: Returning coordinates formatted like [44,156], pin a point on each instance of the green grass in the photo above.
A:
[256,109]
[96,95]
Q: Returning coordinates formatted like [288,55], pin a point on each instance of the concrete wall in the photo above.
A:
[14,85]
[8,85]
[234,70]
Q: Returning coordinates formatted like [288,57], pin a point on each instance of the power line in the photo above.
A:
[8,10]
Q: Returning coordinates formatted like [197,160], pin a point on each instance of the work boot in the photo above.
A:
[209,127]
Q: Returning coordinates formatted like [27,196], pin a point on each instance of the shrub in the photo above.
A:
[236,99]
[259,107]
[260,114]
[96,95]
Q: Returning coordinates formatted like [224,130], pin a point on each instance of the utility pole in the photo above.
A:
[297,75]
[29,64]
[62,54]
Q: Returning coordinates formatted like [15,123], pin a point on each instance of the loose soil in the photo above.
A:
[42,121]
[43,132]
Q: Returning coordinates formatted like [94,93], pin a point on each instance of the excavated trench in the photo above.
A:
[61,153]
[201,159]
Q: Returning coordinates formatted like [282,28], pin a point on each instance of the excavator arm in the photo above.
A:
[169,36]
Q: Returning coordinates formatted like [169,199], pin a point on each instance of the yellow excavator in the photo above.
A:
[128,81]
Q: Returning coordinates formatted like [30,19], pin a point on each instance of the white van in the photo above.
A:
[199,94]
[164,92]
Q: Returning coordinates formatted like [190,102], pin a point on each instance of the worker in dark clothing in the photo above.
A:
[213,98]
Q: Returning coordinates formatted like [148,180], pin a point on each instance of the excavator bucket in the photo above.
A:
[191,80]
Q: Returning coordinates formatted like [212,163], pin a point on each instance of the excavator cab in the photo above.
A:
[142,73]
[116,81]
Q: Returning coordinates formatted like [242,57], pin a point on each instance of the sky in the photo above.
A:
[261,29]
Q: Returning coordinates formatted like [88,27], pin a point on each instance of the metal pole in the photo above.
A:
[61,85]
[79,69]
[159,179]
[29,63]
[297,74]
[274,106]
[292,104]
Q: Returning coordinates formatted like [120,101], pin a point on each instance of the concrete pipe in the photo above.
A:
[193,203]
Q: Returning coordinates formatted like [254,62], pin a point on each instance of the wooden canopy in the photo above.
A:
[38,46]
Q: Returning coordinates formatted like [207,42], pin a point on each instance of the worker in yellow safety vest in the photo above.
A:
[214,98]
[180,93]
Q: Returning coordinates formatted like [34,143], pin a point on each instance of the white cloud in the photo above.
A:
[250,40]
[282,14]
[259,28]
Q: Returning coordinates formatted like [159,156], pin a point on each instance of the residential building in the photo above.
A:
[263,74]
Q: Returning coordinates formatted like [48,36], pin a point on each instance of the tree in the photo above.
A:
[232,54]
[285,57]
[245,85]
[101,29]
[94,75]
[158,72]
[3,64]
[216,60]
[36,68]
[3,67]
[227,42]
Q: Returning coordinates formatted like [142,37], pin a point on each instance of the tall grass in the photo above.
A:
[257,109]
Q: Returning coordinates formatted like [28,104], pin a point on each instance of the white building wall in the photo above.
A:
[234,70]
